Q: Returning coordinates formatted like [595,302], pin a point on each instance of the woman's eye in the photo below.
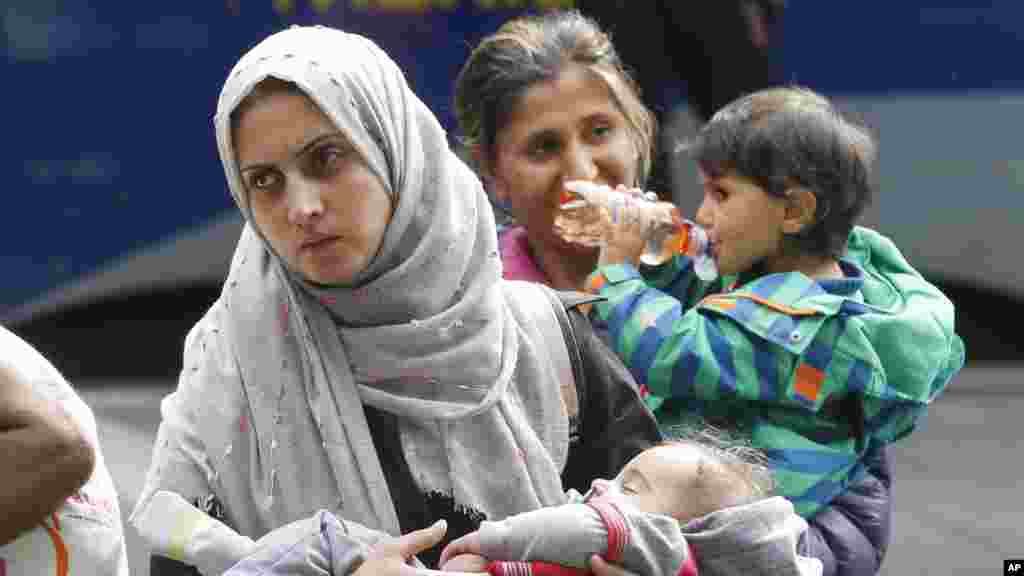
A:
[263,180]
[543,148]
[330,154]
[602,130]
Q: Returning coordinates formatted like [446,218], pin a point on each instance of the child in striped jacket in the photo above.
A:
[819,342]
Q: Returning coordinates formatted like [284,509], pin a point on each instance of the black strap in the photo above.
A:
[561,302]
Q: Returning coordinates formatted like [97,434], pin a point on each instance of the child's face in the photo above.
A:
[743,221]
[656,481]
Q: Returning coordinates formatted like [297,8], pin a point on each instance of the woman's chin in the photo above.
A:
[573,249]
[327,272]
[326,278]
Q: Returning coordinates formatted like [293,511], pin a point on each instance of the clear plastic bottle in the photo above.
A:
[586,209]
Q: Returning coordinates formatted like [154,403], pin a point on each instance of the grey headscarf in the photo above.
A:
[280,368]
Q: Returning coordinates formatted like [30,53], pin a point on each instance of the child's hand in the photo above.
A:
[468,544]
[625,234]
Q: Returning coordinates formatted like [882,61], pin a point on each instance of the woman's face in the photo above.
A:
[568,128]
[310,193]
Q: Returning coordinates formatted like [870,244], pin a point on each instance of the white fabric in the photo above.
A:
[86,531]
[176,529]
[268,414]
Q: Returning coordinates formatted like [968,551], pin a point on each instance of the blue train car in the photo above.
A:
[113,188]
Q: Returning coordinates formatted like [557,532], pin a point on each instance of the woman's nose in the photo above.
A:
[304,202]
[579,163]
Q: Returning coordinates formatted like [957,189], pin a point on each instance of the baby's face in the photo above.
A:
[655,481]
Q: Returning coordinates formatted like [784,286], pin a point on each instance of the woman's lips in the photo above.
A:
[317,242]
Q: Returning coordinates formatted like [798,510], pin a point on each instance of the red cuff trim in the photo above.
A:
[502,568]
[689,567]
[618,530]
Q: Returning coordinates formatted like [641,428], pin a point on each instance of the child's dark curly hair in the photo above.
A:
[793,137]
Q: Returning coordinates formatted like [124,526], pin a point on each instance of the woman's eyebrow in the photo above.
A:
[301,151]
[541,133]
[599,116]
[312,143]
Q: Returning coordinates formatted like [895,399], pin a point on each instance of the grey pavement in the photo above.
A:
[958,504]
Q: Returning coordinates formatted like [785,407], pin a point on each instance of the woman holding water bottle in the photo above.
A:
[545,101]
[577,116]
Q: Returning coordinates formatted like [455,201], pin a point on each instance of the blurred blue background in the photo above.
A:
[119,226]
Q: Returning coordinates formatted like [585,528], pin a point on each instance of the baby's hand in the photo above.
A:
[465,563]
[468,544]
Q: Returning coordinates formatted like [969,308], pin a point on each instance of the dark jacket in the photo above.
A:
[612,426]
[851,535]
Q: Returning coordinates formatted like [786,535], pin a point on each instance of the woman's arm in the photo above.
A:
[178,464]
[46,455]
[324,544]
[193,484]
[616,424]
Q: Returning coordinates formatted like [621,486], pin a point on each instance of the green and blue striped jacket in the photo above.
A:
[812,372]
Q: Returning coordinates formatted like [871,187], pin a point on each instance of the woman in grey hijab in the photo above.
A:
[365,356]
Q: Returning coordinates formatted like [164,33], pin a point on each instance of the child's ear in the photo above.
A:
[801,206]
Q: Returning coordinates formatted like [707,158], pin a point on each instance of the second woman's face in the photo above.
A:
[568,128]
[310,192]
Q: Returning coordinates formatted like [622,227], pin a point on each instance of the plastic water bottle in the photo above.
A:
[587,208]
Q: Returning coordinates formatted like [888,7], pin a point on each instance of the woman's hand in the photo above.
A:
[468,544]
[602,568]
[390,557]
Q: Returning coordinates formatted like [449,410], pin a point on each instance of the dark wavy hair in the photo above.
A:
[793,137]
[532,49]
